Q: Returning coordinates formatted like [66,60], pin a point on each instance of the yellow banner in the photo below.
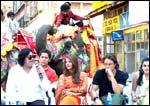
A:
[110,25]
[98,4]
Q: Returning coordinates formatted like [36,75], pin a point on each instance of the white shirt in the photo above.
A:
[14,26]
[5,26]
[26,87]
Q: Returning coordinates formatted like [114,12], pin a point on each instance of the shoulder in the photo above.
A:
[122,74]
[15,69]
[135,75]
[101,71]
[62,76]
[83,74]
[50,69]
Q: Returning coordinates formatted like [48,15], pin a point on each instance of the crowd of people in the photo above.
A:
[28,82]
[31,81]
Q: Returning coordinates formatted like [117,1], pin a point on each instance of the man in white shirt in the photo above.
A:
[26,82]
[14,25]
[4,25]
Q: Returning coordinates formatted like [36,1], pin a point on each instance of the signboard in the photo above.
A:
[117,35]
[111,24]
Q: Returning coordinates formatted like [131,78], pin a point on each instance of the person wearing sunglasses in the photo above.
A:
[24,84]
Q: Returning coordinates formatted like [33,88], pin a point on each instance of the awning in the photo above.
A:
[25,39]
[102,6]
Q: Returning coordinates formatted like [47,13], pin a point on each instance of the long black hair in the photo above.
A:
[76,71]
[141,72]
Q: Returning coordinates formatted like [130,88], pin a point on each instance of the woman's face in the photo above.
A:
[145,67]
[68,64]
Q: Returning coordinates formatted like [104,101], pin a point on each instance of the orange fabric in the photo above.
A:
[70,100]
[66,85]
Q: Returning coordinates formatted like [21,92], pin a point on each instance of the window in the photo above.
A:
[138,35]
[146,35]
[127,38]
[109,45]
[119,46]
[133,36]
[120,10]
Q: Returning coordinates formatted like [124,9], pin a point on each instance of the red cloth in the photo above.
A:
[51,74]
[61,17]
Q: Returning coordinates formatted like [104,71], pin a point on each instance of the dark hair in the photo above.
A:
[68,3]
[141,72]
[22,55]
[9,14]
[64,7]
[76,75]
[2,13]
[113,58]
[45,51]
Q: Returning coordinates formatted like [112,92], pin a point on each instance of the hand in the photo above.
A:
[109,73]
[68,92]
[134,98]
[98,102]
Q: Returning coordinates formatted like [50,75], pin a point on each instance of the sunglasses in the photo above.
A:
[31,56]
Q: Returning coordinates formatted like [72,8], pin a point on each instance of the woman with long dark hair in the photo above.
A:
[72,84]
[140,84]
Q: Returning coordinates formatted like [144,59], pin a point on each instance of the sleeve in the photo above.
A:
[123,78]
[76,17]
[60,87]
[58,19]
[97,77]
[10,86]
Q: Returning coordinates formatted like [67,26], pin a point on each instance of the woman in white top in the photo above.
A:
[24,83]
[140,84]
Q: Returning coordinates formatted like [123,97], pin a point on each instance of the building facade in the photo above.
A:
[129,42]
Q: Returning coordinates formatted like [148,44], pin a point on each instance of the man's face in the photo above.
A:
[65,12]
[109,64]
[29,60]
[44,59]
